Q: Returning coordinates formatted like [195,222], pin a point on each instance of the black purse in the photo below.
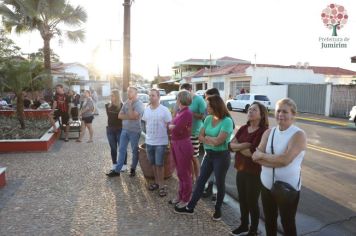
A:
[281,191]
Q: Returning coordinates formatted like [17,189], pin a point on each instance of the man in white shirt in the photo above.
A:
[157,117]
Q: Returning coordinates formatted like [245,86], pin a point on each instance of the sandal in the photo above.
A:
[162,192]
[153,187]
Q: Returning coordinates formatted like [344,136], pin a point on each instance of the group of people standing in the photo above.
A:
[67,106]
[263,155]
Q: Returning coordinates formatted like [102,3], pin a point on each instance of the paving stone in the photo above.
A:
[65,192]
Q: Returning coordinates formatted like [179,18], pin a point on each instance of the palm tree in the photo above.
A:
[46,16]
[17,75]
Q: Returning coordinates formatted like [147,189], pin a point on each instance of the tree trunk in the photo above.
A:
[334,30]
[47,60]
[20,110]
[47,64]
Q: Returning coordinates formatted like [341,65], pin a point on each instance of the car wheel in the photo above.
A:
[229,107]
[355,120]
[246,108]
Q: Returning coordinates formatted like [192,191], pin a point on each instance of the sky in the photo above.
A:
[163,32]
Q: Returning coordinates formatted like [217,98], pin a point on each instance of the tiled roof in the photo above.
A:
[353,59]
[198,73]
[241,68]
[230,69]
[230,59]
[331,70]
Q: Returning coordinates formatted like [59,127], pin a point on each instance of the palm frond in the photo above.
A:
[76,35]
[74,17]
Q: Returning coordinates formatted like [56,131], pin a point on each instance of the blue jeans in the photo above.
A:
[155,154]
[217,162]
[113,135]
[126,137]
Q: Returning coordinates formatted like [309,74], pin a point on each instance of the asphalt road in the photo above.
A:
[328,198]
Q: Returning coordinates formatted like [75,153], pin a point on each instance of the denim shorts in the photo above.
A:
[155,154]
[88,120]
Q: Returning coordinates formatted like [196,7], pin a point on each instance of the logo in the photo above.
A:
[334,17]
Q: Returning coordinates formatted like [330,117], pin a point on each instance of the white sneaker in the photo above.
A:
[124,168]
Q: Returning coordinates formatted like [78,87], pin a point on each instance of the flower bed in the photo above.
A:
[35,137]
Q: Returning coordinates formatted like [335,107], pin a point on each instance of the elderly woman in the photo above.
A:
[280,154]
[215,135]
[182,149]
[87,114]
[248,181]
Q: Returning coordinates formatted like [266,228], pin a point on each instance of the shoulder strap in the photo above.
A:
[272,150]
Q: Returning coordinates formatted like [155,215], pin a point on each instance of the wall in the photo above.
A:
[339,80]
[81,71]
[273,92]
[266,75]
[106,90]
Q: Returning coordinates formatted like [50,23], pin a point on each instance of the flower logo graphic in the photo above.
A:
[334,17]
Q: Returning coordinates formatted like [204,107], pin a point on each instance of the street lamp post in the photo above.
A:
[126,56]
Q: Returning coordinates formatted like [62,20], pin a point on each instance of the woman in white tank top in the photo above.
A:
[289,144]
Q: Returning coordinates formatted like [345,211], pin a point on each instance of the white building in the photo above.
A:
[76,76]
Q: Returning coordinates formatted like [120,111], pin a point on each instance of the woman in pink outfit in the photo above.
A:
[182,149]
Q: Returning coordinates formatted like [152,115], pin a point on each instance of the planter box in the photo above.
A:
[2,177]
[29,145]
[146,165]
[29,113]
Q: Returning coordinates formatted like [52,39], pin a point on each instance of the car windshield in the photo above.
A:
[169,103]
[162,92]
[144,98]
[261,98]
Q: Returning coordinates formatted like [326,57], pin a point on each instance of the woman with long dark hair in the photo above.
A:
[248,181]
[215,135]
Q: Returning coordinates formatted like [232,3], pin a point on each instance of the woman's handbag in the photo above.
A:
[281,191]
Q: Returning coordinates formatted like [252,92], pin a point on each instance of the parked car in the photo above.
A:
[244,101]
[141,89]
[353,114]
[173,93]
[162,92]
[145,99]
[169,102]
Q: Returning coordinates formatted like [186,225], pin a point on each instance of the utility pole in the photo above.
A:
[127,56]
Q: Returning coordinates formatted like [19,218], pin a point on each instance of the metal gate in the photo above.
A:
[343,97]
[236,86]
[310,98]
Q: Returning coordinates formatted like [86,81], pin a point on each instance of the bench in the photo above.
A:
[2,177]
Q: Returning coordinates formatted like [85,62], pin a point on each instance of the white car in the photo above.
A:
[353,114]
[244,101]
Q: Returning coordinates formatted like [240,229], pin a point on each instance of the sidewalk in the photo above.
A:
[66,192]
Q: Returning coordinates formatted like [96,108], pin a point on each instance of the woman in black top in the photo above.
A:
[113,130]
